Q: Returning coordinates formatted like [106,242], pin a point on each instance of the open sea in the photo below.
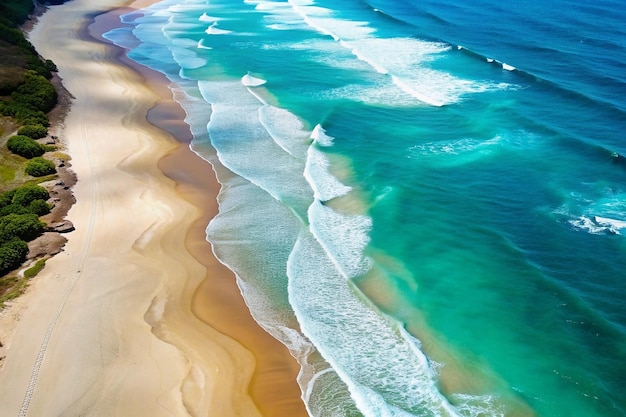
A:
[424,200]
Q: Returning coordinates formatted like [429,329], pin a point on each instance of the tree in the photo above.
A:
[20,226]
[12,255]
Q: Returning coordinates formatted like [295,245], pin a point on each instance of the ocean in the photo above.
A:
[424,200]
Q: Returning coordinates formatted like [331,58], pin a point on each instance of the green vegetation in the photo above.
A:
[39,207]
[39,167]
[11,287]
[36,93]
[25,146]
[25,227]
[25,92]
[20,209]
[26,194]
[31,100]
[35,131]
[35,269]
[16,11]
[26,95]
[12,254]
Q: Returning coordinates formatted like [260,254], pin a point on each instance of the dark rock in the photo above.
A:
[64,226]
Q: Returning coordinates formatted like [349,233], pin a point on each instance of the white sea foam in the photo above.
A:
[508,67]
[325,185]
[121,37]
[343,236]
[280,16]
[250,81]
[319,135]
[613,224]
[598,225]
[286,129]
[129,18]
[246,147]
[206,18]
[595,210]
[202,44]
[464,150]
[321,20]
[386,373]
[186,7]
[589,225]
[183,29]
[478,406]
[187,58]
[214,30]
[405,60]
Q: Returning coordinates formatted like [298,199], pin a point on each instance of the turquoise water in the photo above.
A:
[435,193]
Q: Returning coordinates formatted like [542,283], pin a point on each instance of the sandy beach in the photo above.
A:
[136,317]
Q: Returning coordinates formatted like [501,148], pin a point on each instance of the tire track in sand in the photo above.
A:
[30,390]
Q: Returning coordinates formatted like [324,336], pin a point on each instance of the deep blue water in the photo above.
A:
[435,191]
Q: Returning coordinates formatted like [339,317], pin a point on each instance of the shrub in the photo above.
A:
[36,92]
[50,66]
[16,10]
[39,207]
[25,194]
[20,226]
[12,255]
[35,131]
[32,117]
[14,209]
[6,197]
[25,146]
[38,167]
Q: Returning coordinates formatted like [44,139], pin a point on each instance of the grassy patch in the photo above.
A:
[12,172]
[11,287]
[62,156]
[35,269]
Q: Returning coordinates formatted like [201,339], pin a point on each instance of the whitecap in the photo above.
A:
[508,67]
[201,45]
[590,225]
[319,135]
[250,81]
[214,30]
[613,225]
[206,18]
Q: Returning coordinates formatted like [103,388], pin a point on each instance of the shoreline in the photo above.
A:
[198,185]
[124,279]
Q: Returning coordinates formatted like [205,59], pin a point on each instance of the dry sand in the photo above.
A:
[116,325]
